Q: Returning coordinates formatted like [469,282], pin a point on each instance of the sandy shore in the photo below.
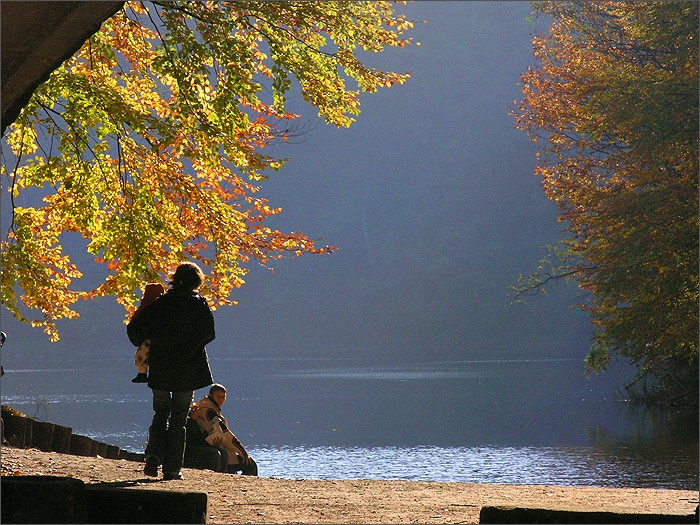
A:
[240,499]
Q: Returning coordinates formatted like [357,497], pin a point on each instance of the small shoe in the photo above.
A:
[172,475]
[151,466]
[141,377]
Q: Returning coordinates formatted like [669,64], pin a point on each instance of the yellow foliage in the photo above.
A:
[159,135]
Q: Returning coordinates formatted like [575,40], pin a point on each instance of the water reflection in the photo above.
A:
[575,466]
[491,421]
[655,432]
[57,399]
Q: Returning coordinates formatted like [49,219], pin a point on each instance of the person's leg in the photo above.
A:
[176,437]
[250,468]
[141,357]
[141,362]
[235,454]
[223,463]
[157,432]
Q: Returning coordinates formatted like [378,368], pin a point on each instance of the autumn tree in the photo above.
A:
[613,101]
[149,143]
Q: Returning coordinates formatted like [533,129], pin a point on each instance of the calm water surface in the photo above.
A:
[484,421]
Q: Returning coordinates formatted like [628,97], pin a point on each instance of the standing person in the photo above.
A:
[3,337]
[179,324]
[150,294]
[207,415]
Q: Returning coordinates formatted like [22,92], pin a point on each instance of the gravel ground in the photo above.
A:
[243,499]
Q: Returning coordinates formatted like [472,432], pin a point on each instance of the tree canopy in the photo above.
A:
[149,143]
[613,102]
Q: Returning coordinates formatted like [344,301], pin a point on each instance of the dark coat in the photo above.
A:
[179,325]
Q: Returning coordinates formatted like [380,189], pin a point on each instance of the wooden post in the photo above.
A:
[101,449]
[81,445]
[135,456]
[112,452]
[17,430]
[42,435]
[61,439]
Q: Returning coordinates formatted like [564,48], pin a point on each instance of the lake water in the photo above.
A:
[534,421]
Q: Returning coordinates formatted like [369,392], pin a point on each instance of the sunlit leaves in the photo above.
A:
[613,103]
[149,142]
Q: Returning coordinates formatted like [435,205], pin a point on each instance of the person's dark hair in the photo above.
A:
[216,387]
[188,276]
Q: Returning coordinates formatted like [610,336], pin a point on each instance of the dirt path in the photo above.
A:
[240,499]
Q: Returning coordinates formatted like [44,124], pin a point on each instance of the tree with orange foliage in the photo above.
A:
[149,143]
[613,102]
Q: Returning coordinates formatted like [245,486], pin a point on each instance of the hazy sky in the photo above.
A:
[430,197]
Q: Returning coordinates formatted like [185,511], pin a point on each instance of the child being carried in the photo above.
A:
[150,294]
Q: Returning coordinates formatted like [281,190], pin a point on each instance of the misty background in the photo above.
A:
[402,339]
[431,199]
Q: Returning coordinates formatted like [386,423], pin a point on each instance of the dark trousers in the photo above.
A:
[166,435]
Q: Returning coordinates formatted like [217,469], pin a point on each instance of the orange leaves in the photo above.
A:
[615,86]
[33,261]
[265,211]
[159,134]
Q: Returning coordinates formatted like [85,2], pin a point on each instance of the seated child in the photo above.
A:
[150,294]
[207,415]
